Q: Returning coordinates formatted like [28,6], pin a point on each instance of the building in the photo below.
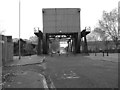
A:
[59,23]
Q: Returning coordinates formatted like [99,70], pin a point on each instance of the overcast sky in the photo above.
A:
[31,13]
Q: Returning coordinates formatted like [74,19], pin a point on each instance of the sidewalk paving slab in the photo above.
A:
[27,79]
[26,60]
[111,57]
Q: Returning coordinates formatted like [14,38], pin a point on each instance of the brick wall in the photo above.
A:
[6,49]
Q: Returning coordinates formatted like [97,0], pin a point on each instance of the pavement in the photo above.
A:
[26,79]
[26,60]
[112,57]
[25,73]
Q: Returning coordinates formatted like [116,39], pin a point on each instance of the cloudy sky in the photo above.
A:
[31,13]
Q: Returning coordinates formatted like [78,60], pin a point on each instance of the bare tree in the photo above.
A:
[33,39]
[109,25]
[1,32]
[103,37]
[93,36]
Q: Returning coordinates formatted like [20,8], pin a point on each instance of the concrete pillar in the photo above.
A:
[82,45]
[39,46]
[50,45]
[85,45]
[68,42]
[78,43]
[47,44]
[71,45]
[74,45]
[44,44]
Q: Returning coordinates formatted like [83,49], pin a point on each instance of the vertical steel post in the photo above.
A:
[19,32]
[79,35]
[78,43]
[44,44]
[85,43]
[39,44]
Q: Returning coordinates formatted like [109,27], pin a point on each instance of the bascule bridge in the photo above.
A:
[61,23]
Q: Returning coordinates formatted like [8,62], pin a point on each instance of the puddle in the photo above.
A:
[19,82]
[8,85]
[24,73]
[30,58]
[39,65]
[68,75]
[21,73]
[1,84]
[43,65]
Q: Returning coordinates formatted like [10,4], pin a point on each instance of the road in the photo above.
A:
[72,71]
[81,72]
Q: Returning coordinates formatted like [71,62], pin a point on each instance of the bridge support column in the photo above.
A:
[47,44]
[85,45]
[39,46]
[78,43]
[76,46]
[44,44]
[73,45]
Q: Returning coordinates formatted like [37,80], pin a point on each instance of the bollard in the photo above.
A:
[59,54]
[103,54]
[66,54]
[44,59]
[51,55]
[107,54]
[95,54]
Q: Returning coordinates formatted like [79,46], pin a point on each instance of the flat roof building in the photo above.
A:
[59,23]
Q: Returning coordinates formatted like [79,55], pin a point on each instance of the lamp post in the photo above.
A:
[19,33]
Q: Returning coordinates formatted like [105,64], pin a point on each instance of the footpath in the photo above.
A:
[27,60]
[24,73]
[111,58]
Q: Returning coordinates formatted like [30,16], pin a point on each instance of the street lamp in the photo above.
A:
[19,33]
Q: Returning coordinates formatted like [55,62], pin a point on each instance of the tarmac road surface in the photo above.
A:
[81,72]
